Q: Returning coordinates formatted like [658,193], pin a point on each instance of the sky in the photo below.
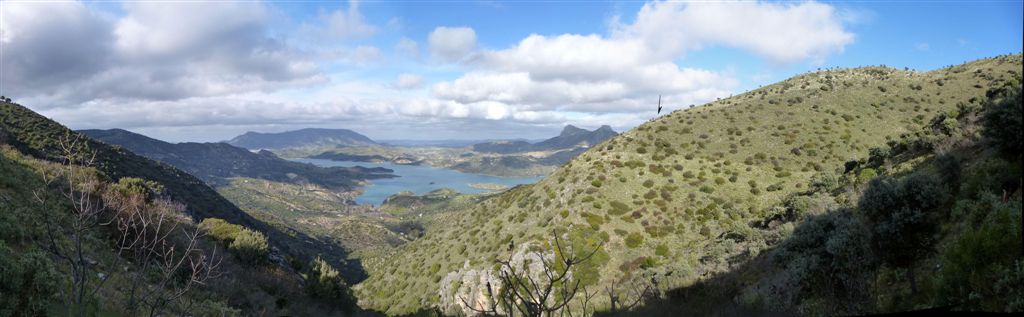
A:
[430,70]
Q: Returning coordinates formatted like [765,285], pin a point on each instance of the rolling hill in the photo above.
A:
[216,162]
[691,194]
[300,138]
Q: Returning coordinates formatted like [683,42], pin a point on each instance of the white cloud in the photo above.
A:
[59,54]
[780,32]
[407,47]
[409,81]
[224,68]
[922,46]
[451,44]
[626,70]
[341,24]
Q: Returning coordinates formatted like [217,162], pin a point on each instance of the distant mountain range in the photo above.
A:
[571,137]
[214,162]
[300,138]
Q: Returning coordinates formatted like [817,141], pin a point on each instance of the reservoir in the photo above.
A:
[419,179]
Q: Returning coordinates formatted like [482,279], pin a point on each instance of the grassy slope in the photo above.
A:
[241,289]
[687,159]
[38,136]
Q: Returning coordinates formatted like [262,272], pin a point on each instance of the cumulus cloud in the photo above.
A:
[625,70]
[409,81]
[145,69]
[451,44]
[339,24]
[147,54]
[780,32]
[50,44]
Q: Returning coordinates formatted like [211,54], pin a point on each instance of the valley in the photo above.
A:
[841,191]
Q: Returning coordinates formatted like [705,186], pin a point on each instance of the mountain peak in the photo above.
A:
[571,130]
[300,138]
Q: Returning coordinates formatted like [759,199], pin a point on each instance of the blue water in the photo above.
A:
[418,178]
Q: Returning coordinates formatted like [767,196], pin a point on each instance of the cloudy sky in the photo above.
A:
[207,71]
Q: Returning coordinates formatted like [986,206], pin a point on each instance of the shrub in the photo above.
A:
[902,216]
[595,221]
[221,230]
[707,189]
[250,246]
[830,256]
[866,175]
[618,208]
[824,182]
[974,265]
[324,282]
[948,167]
[661,250]
[634,240]
[27,282]
[1002,120]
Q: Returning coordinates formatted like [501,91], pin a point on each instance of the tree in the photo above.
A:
[324,282]
[903,216]
[167,266]
[66,236]
[173,264]
[535,283]
[1002,120]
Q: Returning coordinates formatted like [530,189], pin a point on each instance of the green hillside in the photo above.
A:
[693,193]
[38,136]
[270,280]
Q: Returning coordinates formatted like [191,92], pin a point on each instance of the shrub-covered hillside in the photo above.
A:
[89,229]
[690,194]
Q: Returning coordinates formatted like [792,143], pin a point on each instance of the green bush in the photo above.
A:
[1002,120]
[983,255]
[137,186]
[824,182]
[595,221]
[27,282]
[634,240]
[661,250]
[324,282]
[829,258]
[648,183]
[250,246]
[221,230]
[618,208]
[866,175]
[904,217]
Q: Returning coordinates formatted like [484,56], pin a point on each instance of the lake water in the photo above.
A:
[419,179]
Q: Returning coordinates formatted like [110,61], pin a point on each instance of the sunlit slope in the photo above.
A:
[682,196]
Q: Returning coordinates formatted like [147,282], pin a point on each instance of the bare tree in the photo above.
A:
[65,237]
[535,283]
[145,236]
[626,294]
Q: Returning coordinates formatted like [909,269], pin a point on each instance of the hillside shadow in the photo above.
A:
[714,296]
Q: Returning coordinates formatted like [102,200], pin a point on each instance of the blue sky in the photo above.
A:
[187,71]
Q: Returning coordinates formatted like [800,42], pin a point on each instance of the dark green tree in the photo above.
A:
[903,216]
[1002,120]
